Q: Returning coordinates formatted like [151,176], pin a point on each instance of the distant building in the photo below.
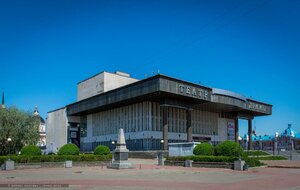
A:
[267,142]
[153,112]
[42,129]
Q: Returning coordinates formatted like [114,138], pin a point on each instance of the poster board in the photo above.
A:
[230,131]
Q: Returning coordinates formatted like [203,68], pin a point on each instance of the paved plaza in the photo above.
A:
[147,175]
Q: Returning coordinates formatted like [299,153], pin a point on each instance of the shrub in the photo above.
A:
[252,162]
[68,149]
[228,148]
[204,149]
[3,159]
[90,157]
[272,158]
[101,150]
[226,159]
[56,158]
[31,150]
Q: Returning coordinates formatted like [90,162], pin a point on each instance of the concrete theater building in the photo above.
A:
[149,110]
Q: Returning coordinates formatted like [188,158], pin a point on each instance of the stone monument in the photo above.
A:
[120,160]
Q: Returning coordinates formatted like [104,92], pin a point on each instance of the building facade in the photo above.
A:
[153,112]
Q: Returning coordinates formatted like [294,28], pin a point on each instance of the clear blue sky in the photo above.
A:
[250,47]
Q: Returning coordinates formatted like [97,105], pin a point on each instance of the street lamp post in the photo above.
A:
[274,146]
[160,155]
[276,142]
[259,144]
[214,133]
[162,144]
[113,144]
[9,140]
[291,144]
[247,144]
[240,139]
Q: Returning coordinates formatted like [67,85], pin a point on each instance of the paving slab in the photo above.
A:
[147,175]
[283,163]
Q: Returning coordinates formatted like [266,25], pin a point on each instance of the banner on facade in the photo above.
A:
[230,131]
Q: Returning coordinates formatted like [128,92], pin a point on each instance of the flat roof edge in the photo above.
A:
[57,109]
[249,99]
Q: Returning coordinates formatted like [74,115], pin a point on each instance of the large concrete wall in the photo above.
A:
[56,129]
[113,81]
[101,83]
[142,121]
[90,87]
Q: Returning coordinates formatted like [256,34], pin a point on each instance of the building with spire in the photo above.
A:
[42,128]
[280,141]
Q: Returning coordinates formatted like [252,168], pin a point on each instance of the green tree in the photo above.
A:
[18,125]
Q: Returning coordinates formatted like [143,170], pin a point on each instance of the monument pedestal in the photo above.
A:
[121,165]
[120,159]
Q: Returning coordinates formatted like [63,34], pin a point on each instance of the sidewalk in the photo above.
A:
[283,163]
[147,175]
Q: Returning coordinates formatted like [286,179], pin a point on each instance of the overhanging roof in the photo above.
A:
[169,90]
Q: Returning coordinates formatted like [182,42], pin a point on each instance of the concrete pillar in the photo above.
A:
[250,134]
[165,127]
[189,128]
[236,125]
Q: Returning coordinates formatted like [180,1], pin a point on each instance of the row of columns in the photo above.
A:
[189,129]
[250,131]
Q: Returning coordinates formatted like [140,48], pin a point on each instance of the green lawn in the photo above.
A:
[272,158]
[256,153]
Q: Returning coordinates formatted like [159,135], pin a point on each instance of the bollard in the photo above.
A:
[161,159]
[68,164]
[188,163]
[9,165]
[239,165]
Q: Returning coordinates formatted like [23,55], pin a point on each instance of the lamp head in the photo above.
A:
[9,139]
